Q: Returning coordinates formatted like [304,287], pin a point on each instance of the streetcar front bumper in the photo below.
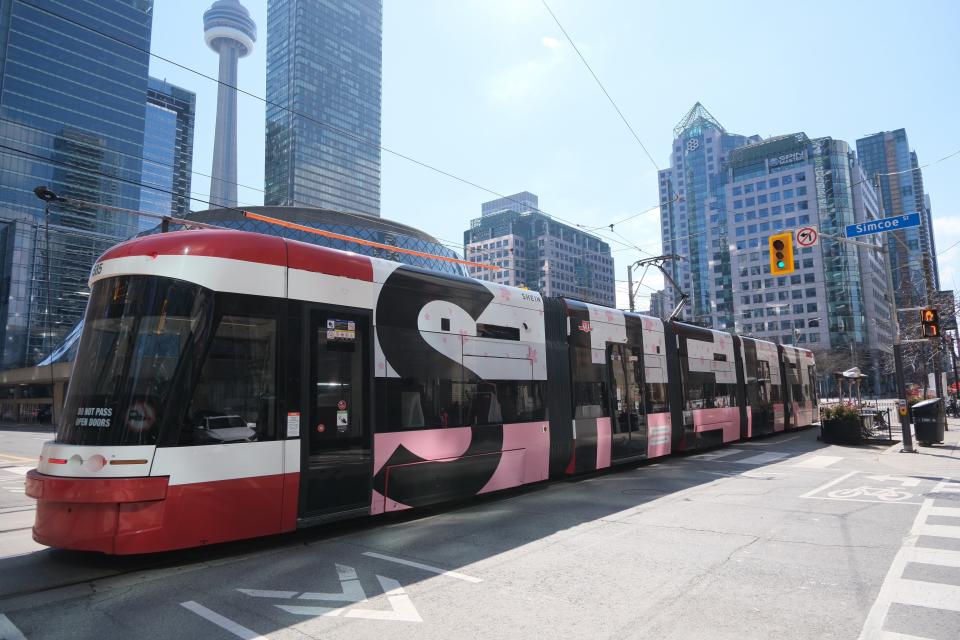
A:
[96,514]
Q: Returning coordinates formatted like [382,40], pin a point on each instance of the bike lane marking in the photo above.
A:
[827,485]
[9,631]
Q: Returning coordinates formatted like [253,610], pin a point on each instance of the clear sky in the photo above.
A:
[491,91]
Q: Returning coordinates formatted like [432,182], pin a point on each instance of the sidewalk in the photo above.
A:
[942,460]
[34,428]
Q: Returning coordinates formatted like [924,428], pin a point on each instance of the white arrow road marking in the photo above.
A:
[425,567]
[224,623]
[403,609]
[351,592]
[8,631]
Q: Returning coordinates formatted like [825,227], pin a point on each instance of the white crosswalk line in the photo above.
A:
[911,592]
[946,511]
[762,458]
[940,530]
[818,462]
[920,593]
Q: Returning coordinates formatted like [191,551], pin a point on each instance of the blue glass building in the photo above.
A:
[167,151]
[323,104]
[886,156]
[693,217]
[72,103]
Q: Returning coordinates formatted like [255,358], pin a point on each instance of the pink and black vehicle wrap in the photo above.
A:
[759,388]
[704,387]
[800,386]
[616,406]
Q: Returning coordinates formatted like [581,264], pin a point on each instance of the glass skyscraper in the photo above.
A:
[693,217]
[887,156]
[167,151]
[323,104]
[72,108]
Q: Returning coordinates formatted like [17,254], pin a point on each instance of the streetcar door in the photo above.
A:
[337,458]
[627,422]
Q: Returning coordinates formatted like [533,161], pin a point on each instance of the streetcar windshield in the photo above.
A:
[135,334]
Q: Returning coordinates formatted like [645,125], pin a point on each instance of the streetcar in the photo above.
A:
[231,385]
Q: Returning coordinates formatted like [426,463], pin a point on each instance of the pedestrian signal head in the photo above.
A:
[781,253]
[929,323]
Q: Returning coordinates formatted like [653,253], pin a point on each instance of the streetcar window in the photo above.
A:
[137,332]
[235,397]
[590,400]
[657,398]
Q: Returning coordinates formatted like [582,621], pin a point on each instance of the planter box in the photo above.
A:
[842,430]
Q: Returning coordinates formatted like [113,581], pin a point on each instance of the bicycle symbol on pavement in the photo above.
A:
[886,494]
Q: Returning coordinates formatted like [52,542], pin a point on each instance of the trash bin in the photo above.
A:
[929,421]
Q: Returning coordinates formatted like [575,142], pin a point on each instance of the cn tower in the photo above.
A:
[228,30]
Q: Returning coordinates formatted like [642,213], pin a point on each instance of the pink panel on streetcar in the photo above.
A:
[526,456]
[380,504]
[430,444]
[603,443]
[778,416]
[658,434]
[727,418]
[749,422]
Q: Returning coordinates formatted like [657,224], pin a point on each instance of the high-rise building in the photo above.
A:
[229,30]
[167,151]
[323,104]
[886,157]
[72,102]
[836,299]
[533,250]
[693,219]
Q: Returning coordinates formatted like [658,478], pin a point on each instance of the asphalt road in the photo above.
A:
[781,538]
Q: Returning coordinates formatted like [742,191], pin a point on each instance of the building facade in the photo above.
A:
[887,159]
[323,104]
[694,220]
[531,249]
[836,299]
[72,109]
[167,151]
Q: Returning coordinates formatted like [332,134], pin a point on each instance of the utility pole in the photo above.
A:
[630,287]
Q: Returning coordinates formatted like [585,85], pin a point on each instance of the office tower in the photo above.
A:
[887,159]
[72,103]
[167,151]
[837,298]
[228,30]
[693,220]
[323,104]
[535,251]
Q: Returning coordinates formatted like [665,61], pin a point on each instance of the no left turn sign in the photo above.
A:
[807,236]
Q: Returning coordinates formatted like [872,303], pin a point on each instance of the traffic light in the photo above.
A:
[781,253]
[929,323]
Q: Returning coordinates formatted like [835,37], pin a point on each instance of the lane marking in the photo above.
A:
[9,631]
[266,593]
[893,635]
[818,462]
[766,457]
[713,455]
[425,567]
[767,443]
[919,593]
[823,487]
[20,471]
[9,457]
[942,486]
[224,623]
